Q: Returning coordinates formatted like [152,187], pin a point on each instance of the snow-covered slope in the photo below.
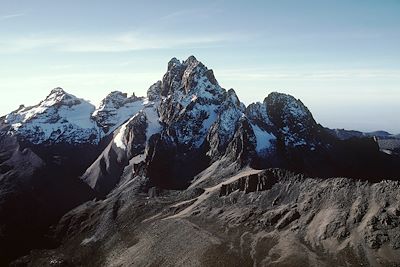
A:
[116,109]
[64,118]
[61,117]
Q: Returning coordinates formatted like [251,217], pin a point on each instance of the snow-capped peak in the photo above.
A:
[61,117]
[115,109]
[116,99]
[59,97]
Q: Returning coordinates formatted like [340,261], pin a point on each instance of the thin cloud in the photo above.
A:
[177,14]
[124,42]
[11,16]
[249,74]
[184,14]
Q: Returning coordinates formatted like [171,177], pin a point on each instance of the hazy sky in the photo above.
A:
[341,58]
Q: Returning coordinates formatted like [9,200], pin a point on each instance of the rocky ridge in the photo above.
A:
[64,118]
[116,109]
[253,218]
[61,117]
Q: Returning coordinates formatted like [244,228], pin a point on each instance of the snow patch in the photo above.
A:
[263,138]
[153,122]
[119,139]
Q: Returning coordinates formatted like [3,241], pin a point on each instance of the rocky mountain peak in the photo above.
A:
[59,97]
[186,76]
[60,117]
[154,92]
[116,99]
[234,99]
[173,63]
[287,106]
[191,60]
[115,109]
[292,119]
[196,73]
[57,90]
[191,100]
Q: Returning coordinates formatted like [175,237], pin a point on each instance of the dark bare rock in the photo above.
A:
[33,195]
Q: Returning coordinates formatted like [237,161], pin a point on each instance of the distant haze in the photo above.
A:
[341,58]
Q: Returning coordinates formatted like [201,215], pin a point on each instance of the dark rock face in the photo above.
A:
[169,168]
[292,119]
[172,79]
[155,91]
[252,183]
[105,173]
[241,148]
[33,195]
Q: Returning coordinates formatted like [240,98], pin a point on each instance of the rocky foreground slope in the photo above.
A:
[254,218]
[189,175]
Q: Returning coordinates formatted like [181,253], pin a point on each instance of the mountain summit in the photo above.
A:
[61,117]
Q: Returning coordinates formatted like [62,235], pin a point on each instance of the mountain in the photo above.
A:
[388,143]
[43,151]
[189,175]
[199,123]
[61,117]
[64,118]
[347,134]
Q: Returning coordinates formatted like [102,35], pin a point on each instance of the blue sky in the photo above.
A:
[341,58]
